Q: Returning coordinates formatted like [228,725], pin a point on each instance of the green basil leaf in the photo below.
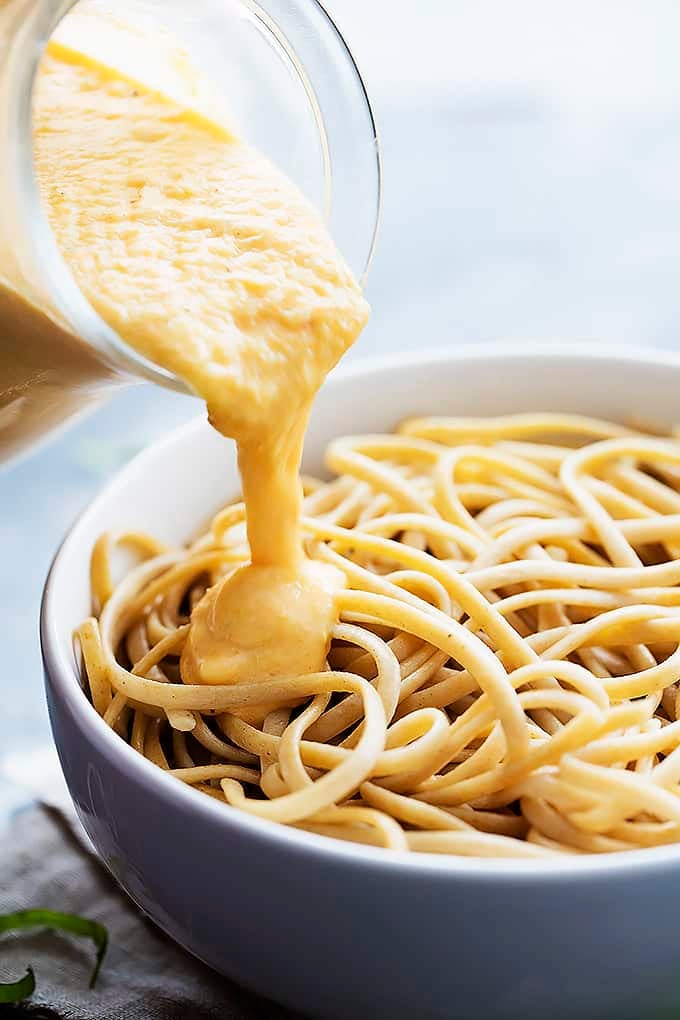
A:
[17,991]
[51,919]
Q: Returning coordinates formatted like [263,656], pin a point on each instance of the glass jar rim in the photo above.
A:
[312,26]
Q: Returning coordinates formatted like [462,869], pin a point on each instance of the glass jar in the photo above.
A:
[297,94]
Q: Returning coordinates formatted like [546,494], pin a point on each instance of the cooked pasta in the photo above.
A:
[502,679]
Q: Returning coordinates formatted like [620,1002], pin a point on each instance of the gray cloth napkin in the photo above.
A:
[145,976]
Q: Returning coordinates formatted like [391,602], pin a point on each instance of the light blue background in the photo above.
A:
[532,190]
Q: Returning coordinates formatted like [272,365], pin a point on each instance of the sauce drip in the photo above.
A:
[207,260]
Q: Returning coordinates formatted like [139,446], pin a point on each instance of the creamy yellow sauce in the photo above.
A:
[207,260]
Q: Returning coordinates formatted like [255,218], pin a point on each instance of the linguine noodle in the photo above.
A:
[503,675]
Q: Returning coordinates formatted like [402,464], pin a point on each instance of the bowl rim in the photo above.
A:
[63,681]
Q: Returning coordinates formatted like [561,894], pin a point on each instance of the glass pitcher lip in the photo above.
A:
[119,357]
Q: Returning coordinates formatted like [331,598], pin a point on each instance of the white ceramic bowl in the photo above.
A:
[344,931]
